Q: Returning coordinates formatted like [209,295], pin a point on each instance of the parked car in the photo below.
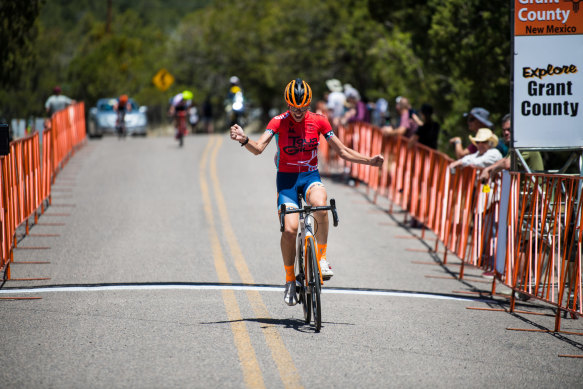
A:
[102,118]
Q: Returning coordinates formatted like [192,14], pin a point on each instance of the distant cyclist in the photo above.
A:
[235,103]
[121,107]
[178,110]
[297,132]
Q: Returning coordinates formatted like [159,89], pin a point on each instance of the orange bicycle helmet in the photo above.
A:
[298,93]
[123,99]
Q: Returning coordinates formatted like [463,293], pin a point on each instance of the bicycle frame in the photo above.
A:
[306,232]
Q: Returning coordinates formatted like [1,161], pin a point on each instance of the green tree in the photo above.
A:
[470,56]
[17,33]
[107,65]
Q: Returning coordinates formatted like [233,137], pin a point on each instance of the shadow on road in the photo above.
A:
[294,324]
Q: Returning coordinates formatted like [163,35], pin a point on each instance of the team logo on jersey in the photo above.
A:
[299,144]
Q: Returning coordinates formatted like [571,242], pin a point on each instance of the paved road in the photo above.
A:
[164,271]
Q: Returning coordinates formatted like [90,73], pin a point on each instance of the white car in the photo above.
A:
[102,118]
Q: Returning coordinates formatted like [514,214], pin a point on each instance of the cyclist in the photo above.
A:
[297,132]
[235,103]
[179,106]
[121,107]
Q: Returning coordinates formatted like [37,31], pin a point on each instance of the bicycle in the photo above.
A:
[308,274]
[120,124]
[180,126]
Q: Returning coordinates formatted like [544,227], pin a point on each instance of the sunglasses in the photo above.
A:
[471,119]
[298,110]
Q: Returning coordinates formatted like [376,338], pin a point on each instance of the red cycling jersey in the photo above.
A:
[297,142]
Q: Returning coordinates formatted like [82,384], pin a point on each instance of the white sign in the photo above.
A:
[548,74]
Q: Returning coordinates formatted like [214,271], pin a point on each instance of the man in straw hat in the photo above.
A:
[487,154]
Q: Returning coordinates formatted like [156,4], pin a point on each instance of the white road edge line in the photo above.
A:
[227,287]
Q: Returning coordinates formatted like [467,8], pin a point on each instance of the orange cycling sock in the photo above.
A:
[321,252]
[289,273]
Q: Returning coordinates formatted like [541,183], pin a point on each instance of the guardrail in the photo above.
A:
[539,254]
[27,175]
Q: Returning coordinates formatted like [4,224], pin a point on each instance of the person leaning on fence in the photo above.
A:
[487,154]
[407,123]
[57,101]
[477,118]
[532,158]
[356,108]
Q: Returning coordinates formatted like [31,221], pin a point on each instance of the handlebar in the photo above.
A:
[308,209]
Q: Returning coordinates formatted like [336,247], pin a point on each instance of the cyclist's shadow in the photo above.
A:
[294,324]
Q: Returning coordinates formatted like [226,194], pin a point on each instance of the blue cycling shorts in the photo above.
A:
[290,185]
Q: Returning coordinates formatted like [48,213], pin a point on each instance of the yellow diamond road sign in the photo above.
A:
[163,79]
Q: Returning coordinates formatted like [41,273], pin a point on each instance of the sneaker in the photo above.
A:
[326,270]
[289,296]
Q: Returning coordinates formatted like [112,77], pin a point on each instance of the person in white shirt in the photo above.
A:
[57,101]
[336,101]
[487,154]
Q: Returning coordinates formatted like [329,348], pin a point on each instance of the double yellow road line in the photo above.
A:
[251,371]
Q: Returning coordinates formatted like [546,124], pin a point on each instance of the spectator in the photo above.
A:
[487,154]
[336,101]
[193,117]
[407,123]
[477,118]
[57,101]
[207,116]
[504,142]
[380,113]
[428,132]
[357,110]
[532,158]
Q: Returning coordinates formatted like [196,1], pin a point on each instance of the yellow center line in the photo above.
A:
[251,372]
[283,360]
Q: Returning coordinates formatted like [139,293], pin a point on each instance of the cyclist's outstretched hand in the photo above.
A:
[237,133]
[377,160]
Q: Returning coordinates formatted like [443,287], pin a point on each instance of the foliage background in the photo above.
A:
[454,54]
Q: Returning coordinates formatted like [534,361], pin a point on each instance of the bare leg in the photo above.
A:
[318,197]
[288,239]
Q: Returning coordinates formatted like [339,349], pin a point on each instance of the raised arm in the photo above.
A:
[352,155]
[256,147]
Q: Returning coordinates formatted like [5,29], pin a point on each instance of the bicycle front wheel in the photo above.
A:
[314,283]
[301,277]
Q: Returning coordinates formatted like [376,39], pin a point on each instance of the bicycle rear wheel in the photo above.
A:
[314,283]
[304,297]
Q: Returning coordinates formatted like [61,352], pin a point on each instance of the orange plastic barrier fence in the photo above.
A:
[27,175]
[542,244]
[68,133]
[545,234]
